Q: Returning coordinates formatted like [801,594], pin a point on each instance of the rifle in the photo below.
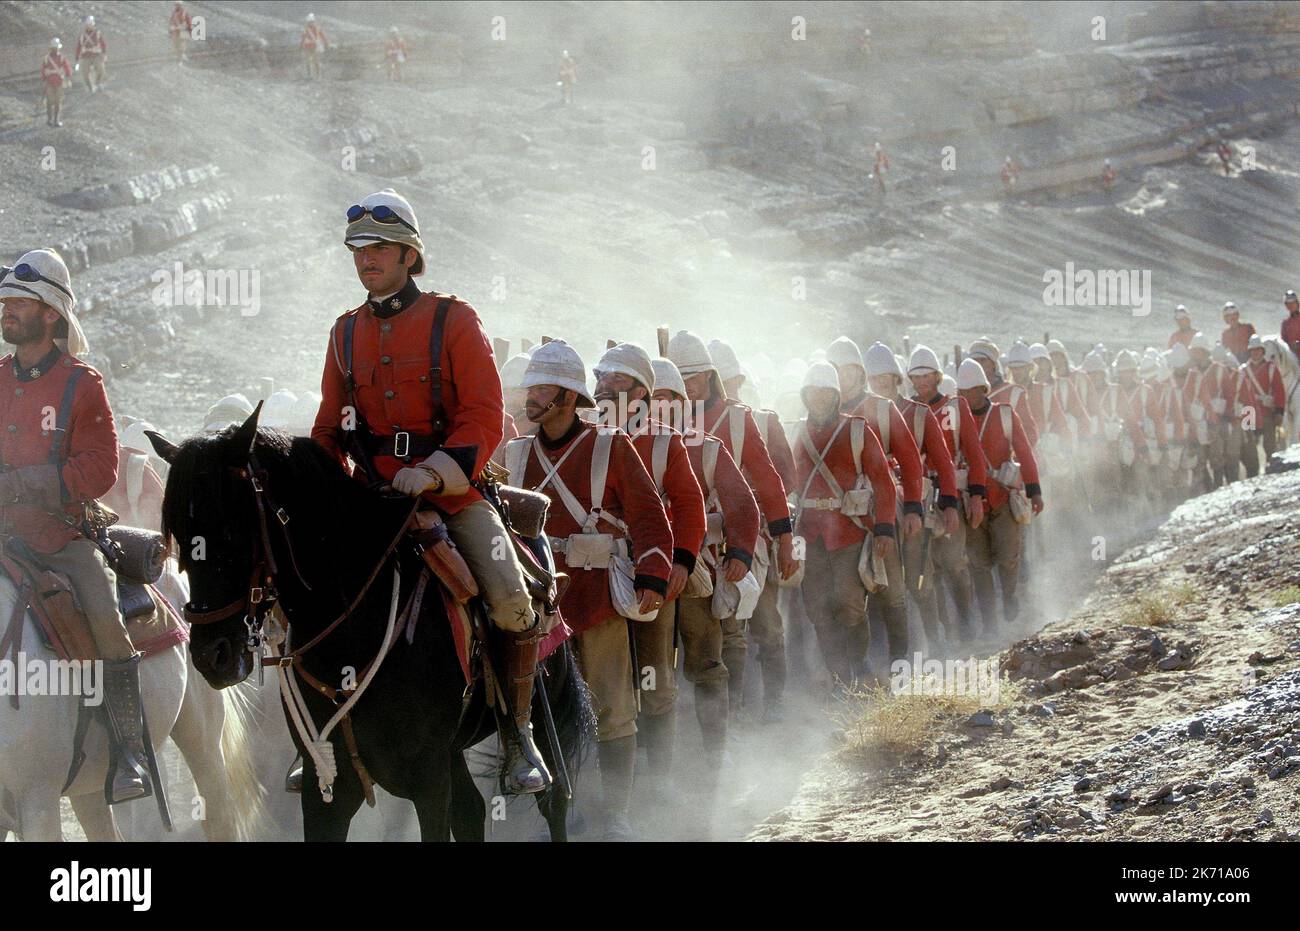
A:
[636,673]
[956,354]
[500,351]
[661,333]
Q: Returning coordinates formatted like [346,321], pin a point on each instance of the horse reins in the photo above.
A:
[262,593]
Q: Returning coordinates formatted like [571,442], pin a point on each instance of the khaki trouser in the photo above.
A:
[1250,440]
[887,609]
[835,599]
[701,635]
[1213,452]
[313,62]
[606,663]
[767,630]
[995,543]
[1232,443]
[918,569]
[949,561]
[481,538]
[53,100]
[654,659]
[95,585]
[178,45]
[92,69]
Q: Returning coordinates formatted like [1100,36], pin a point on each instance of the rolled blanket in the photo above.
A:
[142,553]
[527,509]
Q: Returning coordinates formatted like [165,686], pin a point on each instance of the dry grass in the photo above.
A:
[1160,607]
[1286,596]
[882,725]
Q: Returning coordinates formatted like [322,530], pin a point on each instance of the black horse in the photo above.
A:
[249,504]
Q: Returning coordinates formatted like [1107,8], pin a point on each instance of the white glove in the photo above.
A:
[415,481]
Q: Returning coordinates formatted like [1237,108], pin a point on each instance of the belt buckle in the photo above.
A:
[402,445]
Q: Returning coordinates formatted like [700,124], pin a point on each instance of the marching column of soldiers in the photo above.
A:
[694,528]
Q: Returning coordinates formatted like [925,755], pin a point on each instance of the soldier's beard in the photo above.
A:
[22,333]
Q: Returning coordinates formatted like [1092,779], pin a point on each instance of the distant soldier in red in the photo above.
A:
[313,43]
[1108,175]
[56,75]
[567,78]
[92,51]
[395,54]
[880,167]
[1236,337]
[179,27]
[1225,156]
[1010,172]
[1291,324]
[1263,401]
[1185,330]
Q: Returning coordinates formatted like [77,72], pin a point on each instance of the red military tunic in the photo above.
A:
[998,448]
[899,447]
[313,37]
[832,528]
[1173,419]
[679,490]
[720,415]
[1005,392]
[1202,386]
[960,431]
[936,459]
[1076,389]
[1046,408]
[1291,332]
[395,50]
[730,494]
[391,367]
[91,42]
[87,456]
[1237,337]
[1259,386]
[630,496]
[55,69]
[179,22]
[778,446]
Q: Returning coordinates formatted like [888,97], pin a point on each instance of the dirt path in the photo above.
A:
[1164,708]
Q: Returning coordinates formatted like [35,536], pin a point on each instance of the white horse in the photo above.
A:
[1279,352]
[207,726]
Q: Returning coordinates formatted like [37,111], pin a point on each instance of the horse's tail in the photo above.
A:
[575,720]
[247,794]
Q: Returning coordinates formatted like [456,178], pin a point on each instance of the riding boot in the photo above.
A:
[617,761]
[129,778]
[293,778]
[525,770]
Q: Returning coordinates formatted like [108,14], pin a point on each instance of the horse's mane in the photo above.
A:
[198,470]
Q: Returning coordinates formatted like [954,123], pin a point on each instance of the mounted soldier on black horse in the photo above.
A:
[392,481]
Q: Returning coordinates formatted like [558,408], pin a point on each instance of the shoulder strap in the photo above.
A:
[883,422]
[435,349]
[918,424]
[857,441]
[516,456]
[600,468]
[762,420]
[659,459]
[710,456]
[954,410]
[1005,411]
[64,415]
[737,428]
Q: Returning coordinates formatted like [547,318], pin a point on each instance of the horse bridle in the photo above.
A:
[262,593]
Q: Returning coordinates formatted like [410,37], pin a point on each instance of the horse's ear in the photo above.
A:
[166,451]
[244,438]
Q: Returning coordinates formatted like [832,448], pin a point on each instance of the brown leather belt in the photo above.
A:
[403,445]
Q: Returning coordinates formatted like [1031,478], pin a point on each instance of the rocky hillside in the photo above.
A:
[712,173]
